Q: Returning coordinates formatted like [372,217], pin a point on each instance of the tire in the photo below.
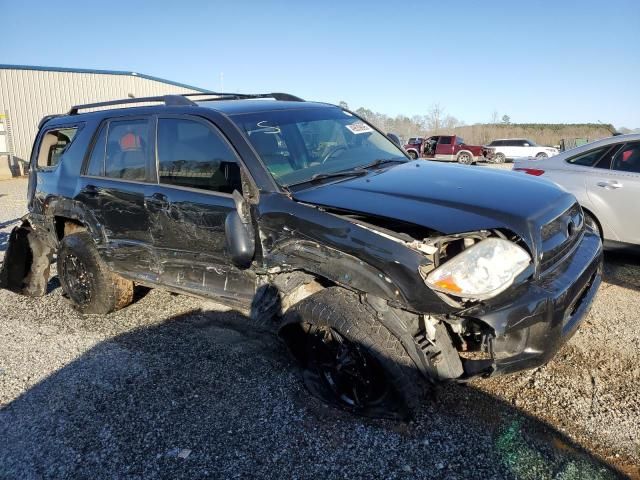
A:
[393,386]
[465,158]
[86,280]
[412,154]
[499,158]
[592,222]
[542,155]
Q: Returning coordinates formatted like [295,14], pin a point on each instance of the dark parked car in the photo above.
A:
[378,271]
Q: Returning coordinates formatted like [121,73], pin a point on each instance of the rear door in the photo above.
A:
[116,178]
[615,192]
[512,149]
[198,170]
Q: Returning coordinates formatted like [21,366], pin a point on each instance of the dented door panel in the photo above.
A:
[187,231]
[117,207]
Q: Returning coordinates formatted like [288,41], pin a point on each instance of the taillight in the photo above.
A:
[536,172]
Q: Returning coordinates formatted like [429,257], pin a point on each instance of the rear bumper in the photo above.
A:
[542,315]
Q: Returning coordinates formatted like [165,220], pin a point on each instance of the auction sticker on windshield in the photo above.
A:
[359,127]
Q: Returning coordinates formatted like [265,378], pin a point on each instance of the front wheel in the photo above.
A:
[90,285]
[349,358]
[542,155]
[591,222]
[412,154]
[465,158]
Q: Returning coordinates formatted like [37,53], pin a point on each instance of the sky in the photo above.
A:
[538,62]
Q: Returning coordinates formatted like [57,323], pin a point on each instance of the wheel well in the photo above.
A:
[66,226]
[595,219]
[466,151]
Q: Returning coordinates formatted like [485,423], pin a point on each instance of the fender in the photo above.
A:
[336,266]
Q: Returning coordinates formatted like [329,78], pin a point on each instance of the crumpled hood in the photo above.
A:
[447,198]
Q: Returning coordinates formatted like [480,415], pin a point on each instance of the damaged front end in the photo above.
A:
[508,310]
[27,260]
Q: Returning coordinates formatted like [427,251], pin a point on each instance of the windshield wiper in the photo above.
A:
[380,161]
[355,172]
[358,171]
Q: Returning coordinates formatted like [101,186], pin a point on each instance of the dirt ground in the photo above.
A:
[177,387]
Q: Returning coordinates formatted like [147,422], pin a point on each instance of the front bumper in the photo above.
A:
[537,318]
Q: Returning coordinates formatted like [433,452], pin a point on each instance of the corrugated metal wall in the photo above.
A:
[28,95]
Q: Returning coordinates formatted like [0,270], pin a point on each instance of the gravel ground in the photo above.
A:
[177,387]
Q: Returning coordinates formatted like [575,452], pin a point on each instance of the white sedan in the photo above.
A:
[605,178]
[509,148]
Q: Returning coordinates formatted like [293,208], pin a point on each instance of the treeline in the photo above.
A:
[437,122]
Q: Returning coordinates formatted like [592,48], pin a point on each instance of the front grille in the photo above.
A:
[560,235]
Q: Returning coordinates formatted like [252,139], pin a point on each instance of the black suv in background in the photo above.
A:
[378,271]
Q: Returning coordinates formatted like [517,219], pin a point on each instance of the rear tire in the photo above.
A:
[90,285]
[541,156]
[499,158]
[465,158]
[352,359]
[412,154]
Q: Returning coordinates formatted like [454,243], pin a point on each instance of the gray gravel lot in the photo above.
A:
[177,387]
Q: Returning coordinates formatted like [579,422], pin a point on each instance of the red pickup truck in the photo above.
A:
[449,148]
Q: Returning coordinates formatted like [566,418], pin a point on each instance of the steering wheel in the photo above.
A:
[331,153]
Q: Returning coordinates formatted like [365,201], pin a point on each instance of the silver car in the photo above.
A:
[605,178]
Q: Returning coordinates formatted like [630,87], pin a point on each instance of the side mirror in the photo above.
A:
[239,234]
[395,139]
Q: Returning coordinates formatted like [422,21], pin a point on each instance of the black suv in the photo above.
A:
[378,271]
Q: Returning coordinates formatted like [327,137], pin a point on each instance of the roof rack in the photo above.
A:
[169,100]
[175,100]
[284,97]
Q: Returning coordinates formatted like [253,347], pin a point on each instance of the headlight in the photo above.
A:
[481,271]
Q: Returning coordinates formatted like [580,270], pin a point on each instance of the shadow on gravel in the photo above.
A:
[202,395]
[622,269]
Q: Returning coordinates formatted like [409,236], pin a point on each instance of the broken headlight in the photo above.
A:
[481,271]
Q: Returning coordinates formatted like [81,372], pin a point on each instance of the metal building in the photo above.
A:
[28,93]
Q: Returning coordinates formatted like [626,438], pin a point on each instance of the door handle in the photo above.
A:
[610,184]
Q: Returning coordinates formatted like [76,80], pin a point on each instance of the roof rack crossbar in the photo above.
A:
[169,100]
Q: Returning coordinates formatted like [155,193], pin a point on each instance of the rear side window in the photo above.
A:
[96,161]
[53,145]
[127,149]
[445,141]
[459,141]
[627,159]
[588,159]
[192,154]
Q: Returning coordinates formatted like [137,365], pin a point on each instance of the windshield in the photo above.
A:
[531,143]
[296,145]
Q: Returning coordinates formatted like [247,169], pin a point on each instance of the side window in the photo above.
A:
[191,154]
[588,159]
[127,149]
[459,141]
[53,145]
[628,158]
[95,168]
[445,141]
